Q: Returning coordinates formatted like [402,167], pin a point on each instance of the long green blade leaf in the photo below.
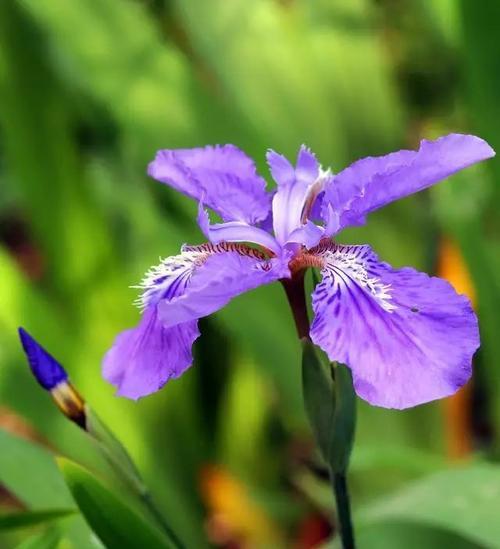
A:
[115,523]
[12,521]
[464,500]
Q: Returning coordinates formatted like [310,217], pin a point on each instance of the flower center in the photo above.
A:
[309,258]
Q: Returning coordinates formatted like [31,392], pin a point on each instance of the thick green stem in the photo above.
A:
[341,492]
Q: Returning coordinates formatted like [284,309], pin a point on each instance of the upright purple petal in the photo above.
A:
[293,189]
[281,169]
[373,182]
[222,277]
[407,337]
[294,203]
[223,176]
[144,358]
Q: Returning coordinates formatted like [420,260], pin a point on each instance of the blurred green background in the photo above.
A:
[89,90]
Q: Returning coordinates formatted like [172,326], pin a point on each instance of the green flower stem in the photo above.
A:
[339,483]
[341,441]
[331,406]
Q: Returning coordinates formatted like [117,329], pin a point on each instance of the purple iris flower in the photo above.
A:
[408,338]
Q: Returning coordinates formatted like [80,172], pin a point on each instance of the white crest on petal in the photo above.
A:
[355,262]
[170,276]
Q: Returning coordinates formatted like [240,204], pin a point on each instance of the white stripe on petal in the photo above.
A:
[342,263]
[170,277]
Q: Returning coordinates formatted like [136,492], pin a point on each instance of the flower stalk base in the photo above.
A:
[339,483]
[330,404]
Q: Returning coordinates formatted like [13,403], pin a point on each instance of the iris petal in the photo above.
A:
[175,294]
[407,337]
[144,358]
[373,182]
[222,277]
[224,175]
[308,235]
[295,186]
[235,231]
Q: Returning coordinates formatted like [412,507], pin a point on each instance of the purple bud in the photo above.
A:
[47,371]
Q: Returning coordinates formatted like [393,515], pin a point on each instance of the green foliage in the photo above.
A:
[30,473]
[319,396]
[12,521]
[410,536]
[463,500]
[344,420]
[89,90]
[117,525]
[330,403]
[45,540]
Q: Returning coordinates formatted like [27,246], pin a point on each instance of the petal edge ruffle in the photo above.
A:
[222,175]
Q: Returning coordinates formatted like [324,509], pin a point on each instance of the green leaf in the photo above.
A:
[12,521]
[29,472]
[344,420]
[319,396]
[480,53]
[400,458]
[409,536]
[114,522]
[464,500]
[330,406]
[45,540]
[165,81]
[114,451]
[45,163]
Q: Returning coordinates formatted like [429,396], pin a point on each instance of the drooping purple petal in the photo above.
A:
[407,337]
[223,176]
[175,294]
[297,189]
[373,182]
[222,277]
[235,231]
[144,358]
